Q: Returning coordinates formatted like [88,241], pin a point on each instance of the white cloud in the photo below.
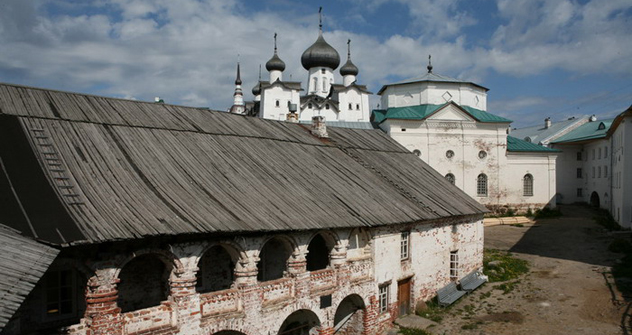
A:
[185,51]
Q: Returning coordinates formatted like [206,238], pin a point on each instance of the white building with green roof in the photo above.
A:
[445,122]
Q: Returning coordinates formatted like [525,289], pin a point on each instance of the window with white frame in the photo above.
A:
[384,298]
[481,185]
[454,265]
[527,182]
[405,245]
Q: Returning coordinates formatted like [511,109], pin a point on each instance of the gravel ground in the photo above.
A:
[567,290]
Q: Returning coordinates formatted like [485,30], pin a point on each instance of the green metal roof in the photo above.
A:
[588,131]
[517,145]
[421,112]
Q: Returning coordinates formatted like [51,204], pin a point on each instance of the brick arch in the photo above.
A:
[269,265]
[216,268]
[350,314]
[318,255]
[302,319]
[168,258]
[236,250]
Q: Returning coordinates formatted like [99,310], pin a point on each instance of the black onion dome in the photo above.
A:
[275,63]
[257,89]
[320,54]
[349,69]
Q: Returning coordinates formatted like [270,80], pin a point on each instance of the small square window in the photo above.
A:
[580,192]
[579,155]
[579,173]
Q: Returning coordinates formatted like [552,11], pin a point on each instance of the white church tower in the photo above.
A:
[239,107]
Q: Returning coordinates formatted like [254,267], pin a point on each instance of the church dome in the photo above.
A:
[257,89]
[349,69]
[275,63]
[320,54]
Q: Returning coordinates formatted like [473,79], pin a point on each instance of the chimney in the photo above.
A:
[318,127]
[592,118]
[158,100]
[291,117]
[547,123]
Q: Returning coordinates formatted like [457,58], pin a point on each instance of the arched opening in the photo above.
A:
[358,243]
[216,270]
[318,252]
[594,199]
[144,282]
[301,322]
[273,260]
[349,316]
[527,185]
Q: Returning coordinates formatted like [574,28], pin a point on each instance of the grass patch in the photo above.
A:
[605,219]
[547,212]
[501,266]
[433,311]
[507,287]
[413,331]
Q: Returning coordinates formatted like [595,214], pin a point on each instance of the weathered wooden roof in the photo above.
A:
[107,169]
[22,263]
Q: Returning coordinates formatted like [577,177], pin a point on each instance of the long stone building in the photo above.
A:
[128,217]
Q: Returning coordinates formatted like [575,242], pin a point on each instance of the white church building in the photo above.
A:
[279,99]
[445,122]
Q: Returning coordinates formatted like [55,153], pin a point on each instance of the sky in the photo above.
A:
[539,58]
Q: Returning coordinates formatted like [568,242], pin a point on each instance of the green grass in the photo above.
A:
[547,212]
[507,267]
[605,219]
[507,287]
[434,312]
[413,331]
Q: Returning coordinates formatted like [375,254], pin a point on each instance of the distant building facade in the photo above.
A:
[444,121]
[592,161]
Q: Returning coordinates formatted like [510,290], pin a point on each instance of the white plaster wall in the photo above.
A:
[566,173]
[543,169]
[354,97]
[317,76]
[429,260]
[434,93]
[330,114]
[621,159]
[465,138]
[595,164]
[270,95]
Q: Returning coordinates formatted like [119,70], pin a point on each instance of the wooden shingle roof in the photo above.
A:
[108,169]
[23,262]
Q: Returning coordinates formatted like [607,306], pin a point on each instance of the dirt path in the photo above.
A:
[565,291]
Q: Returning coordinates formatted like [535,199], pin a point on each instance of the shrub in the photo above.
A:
[547,212]
[502,266]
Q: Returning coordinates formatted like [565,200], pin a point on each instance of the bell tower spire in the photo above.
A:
[238,97]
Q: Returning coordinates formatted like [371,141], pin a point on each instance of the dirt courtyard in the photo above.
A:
[567,290]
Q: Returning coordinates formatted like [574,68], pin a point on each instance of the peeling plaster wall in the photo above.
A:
[253,307]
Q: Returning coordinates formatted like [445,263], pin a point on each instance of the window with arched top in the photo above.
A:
[350,106]
[277,103]
[326,106]
[527,188]
[481,185]
[450,177]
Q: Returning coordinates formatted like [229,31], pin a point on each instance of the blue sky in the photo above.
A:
[539,58]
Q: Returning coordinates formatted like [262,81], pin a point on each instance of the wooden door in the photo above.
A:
[403,296]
